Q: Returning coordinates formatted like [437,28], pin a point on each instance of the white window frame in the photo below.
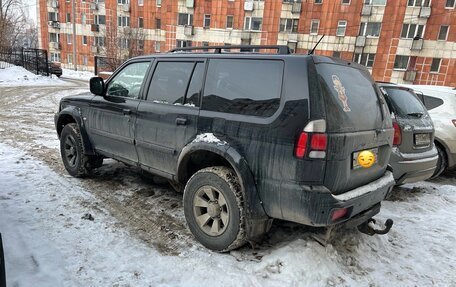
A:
[158,3]
[55,57]
[418,3]
[248,20]
[401,69]
[341,24]
[449,7]
[311,26]
[371,3]
[232,22]
[140,2]
[342,2]
[122,2]
[69,39]
[365,30]
[207,17]
[70,59]
[157,46]
[124,21]
[370,57]
[57,37]
[416,30]
[139,26]
[83,19]
[446,35]
[189,19]
[85,40]
[318,2]
[292,20]
[438,68]
[85,60]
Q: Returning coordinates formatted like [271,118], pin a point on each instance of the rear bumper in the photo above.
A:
[313,205]
[409,168]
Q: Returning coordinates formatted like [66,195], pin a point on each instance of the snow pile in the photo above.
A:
[208,138]
[77,75]
[15,75]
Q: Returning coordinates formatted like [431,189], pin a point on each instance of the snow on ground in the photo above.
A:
[47,243]
[78,75]
[15,75]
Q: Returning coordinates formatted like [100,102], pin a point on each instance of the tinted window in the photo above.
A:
[127,83]
[169,82]
[194,89]
[248,87]
[432,102]
[403,102]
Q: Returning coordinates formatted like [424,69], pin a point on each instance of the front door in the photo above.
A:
[167,119]
[111,118]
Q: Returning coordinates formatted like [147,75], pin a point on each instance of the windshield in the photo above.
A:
[404,103]
[352,102]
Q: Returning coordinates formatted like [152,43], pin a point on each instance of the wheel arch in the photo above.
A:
[257,220]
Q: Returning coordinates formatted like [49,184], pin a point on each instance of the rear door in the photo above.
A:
[413,119]
[167,119]
[356,120]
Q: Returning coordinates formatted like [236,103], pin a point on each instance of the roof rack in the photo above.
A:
[281,49]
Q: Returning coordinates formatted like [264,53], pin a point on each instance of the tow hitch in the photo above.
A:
[369,228]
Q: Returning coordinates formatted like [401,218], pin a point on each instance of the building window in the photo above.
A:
[84,40]
[140,2]
[185,19]
[83,19]
[99,19]
[292,1]
[140,22]
[365,59]
[85,61]
[341,27]
[292,46]
[53,37]
[443,33]
[53,16]
[418,3]
[159,3]
[229,21]
[435,66]
[401,62]
[345,2]
[288,25]
[157,46]
[207,21]
[70,58]
[183,43]
[157,23]
[68,17]
[121,2]
[450,4]
[55,57]
[410,31]
[69,39]
[124,43]
[314,24]
[375,2]
[140,44]
[99,41]
[253,23]
[318,1]
[370,29]
[123,21]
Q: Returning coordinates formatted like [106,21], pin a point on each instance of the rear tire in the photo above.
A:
[214,208]
[71,149]
[442,162]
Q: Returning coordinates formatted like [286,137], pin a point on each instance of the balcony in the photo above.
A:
[417,44]
[126,7]
[94,49]
[95,28]
[55,45]
[293,37]
[54,24]
[248,6]
[188,30]
[93,6]
[296,7]
[425,12]
[190,3]
[409,75]
[360,41]
[367,10]
[246,35]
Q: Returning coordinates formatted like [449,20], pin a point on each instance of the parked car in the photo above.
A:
[54,69]
[441,105]
[414,156]
[251,137]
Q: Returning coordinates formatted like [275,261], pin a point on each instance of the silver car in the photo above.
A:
[414,156]
[441,105]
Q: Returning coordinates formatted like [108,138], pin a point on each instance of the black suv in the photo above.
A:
[247,137]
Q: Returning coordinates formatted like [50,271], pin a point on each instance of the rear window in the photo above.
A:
[404,103]
[432,102]
[247,87]
[351,99]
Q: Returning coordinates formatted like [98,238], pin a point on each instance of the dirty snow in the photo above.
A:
[208,138]
[15,75]
[138,235]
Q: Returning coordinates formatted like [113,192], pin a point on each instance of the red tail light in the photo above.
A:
[339,213]
[318,142]
[300,149]
[397,134]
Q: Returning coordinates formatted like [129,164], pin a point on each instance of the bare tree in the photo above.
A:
[11,22]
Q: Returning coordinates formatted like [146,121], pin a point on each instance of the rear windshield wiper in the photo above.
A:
[418,114]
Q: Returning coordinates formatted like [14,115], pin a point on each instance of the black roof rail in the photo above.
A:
[281,49]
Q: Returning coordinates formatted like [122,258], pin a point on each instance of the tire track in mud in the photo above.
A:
[153,213]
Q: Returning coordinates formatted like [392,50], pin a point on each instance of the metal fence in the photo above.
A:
[34,60]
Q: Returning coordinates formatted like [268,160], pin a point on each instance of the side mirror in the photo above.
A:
[97,86]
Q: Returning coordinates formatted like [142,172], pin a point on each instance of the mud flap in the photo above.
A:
[369,228]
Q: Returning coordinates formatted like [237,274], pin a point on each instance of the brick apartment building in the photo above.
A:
[403,41]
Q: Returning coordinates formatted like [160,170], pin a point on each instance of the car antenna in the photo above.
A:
[312,51]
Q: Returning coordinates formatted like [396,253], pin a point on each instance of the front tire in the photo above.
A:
[214,208]
[71,149]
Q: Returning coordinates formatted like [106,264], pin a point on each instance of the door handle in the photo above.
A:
[126,112]
[181,121]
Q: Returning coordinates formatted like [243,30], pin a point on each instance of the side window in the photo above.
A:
[432,102]
[194,89]
[169,82]
[127,83]
[247,87]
